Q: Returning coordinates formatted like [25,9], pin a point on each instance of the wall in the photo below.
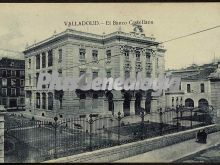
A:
[1,134]
[215,95]
[195,93]
[135,148]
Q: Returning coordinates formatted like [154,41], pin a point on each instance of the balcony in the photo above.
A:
[82,60]
[127,65]
[138,66]
[148,68]
[108,61]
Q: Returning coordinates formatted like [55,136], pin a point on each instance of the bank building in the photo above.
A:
[74,53]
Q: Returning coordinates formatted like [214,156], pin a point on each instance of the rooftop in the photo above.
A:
[91,36]
[11,54]
[196,72]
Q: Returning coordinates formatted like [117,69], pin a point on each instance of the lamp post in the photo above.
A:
[55,127]
[177,117]
[142,114]
[119,125]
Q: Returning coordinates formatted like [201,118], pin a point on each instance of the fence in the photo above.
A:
[35,141]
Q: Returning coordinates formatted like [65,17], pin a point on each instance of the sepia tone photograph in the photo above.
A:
[110,82]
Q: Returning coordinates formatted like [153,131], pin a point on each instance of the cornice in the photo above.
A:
[100,39]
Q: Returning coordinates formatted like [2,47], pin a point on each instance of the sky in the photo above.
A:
[22,24]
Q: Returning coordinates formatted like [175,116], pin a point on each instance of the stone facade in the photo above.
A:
[74,53]
[195,87]
[215,92]
[12,83]
[2,111]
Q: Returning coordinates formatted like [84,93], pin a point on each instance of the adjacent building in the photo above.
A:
[195,89]
[12,83]
[73,53]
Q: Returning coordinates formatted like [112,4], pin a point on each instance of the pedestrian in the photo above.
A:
[204,136]
[198,136]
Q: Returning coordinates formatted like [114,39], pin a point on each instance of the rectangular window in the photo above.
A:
[148,75]
[13,73]
[95,55]
[43,60]
[22,73]
[38,61]
[60,55]
[21,82]
[202,86]
[172,101]
[126,55]
[13,82]
[60,73]
[82,53]
[43,100]
[94,75]
[138,56]
[4,82]
[22,102]
[108,54]
[13,92]
[4,73]
[29,63]
[37,100]
[50,101]
[37,75]
[188,88]
[22,93]
[4,91]
[8,73]
[12,64]
[108,74]
[127,74]
[148,57]
[4,101]
[157,62]
[50,57]
[29,79]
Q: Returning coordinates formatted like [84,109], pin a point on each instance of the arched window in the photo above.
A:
[95,101]
[50,101]
[43,100]
[202,86]
[37,100]
[189,103]
[82,99]
[203,103]
[109,95]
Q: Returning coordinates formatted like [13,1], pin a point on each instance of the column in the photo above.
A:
[143,102]
[101,105]
[132,107]
[88,106]
[106,107]
[118,106]
[2,111]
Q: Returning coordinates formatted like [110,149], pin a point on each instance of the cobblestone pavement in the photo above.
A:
[211,155]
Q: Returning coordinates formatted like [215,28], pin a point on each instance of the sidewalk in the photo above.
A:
[176,151]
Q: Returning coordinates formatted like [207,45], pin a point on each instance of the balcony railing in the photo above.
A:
[82,60]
